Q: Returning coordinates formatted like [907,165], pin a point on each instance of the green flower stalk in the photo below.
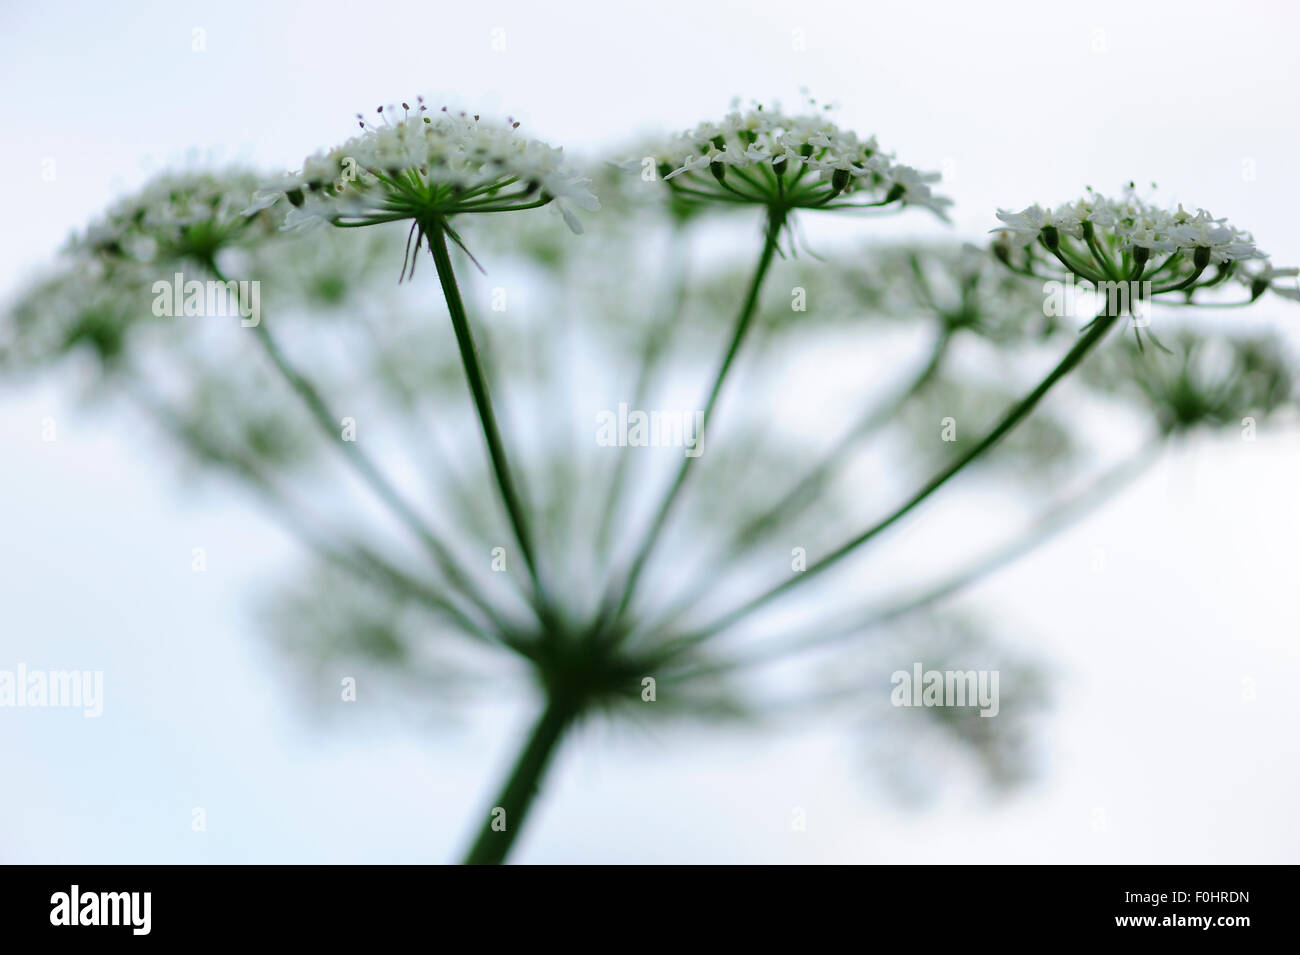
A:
[427,168]
[783,164]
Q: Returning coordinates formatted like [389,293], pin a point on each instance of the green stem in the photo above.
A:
[312,399]
[651,354]
[517,796]
[1180,285]
[437,239]
[796,501]
[775,222]
[373,476]
[1095,332]
[353,557]
[1103,261]
[1047,526]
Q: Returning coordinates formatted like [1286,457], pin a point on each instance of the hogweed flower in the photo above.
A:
[959,285]
[1106,240]
[1211,382]
[1264,278]
[190,215]
[765,157]
[105,286]
[427,167]
[83,307]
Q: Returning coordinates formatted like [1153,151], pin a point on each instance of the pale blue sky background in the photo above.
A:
[1018,102]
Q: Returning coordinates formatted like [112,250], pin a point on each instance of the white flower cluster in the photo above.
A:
[1131,223]
[431,164]
[184,214]
[775,146]
[1265,278]
[82,306]
[1201,380]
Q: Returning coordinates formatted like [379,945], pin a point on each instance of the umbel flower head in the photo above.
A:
[189,215]
[1127,239]
[1201,381]
[764,156]
[427,166]
[957,284]
[84,308]
[1261,277]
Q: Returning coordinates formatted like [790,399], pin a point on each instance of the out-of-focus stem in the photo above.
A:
[805,491]
[366,468]
[1047,526]
[775,223]
[1096,332]
[652,354]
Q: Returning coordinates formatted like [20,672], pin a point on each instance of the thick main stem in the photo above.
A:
[499,832]
[437,238]
[775,222]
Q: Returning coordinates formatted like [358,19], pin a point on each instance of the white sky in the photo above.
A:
[1019,102]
